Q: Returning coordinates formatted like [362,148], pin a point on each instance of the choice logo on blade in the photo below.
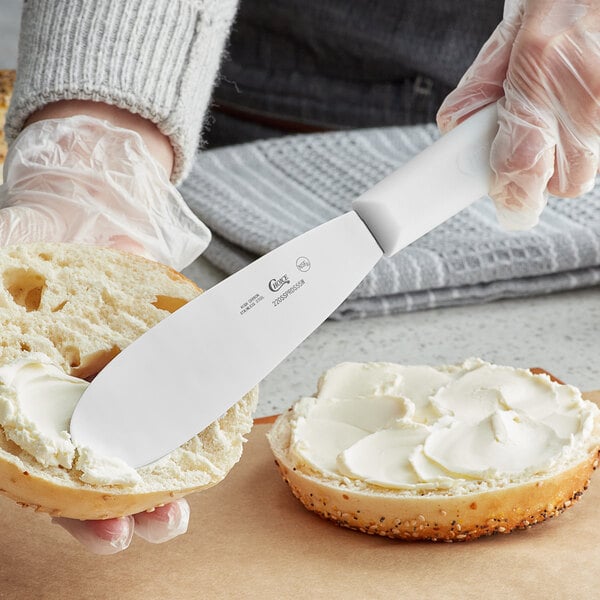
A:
[276,284]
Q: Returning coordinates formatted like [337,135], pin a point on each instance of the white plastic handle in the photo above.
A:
[433,186]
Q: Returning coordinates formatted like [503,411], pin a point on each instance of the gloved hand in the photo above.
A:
[114,535]
[543,63]
[81,179]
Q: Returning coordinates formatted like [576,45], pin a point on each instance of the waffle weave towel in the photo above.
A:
[256,196]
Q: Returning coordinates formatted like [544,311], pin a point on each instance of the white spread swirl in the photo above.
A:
[419,427]
[37,399]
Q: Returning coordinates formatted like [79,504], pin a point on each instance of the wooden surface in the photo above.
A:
[250,538]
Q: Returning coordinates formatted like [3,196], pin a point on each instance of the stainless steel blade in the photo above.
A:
[189,369]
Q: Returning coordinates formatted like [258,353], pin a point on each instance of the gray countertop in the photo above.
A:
[558,332]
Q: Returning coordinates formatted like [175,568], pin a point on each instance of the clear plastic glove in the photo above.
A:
[543,65]
[114,535]
[81,179]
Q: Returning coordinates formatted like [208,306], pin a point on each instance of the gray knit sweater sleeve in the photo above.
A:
[156,58]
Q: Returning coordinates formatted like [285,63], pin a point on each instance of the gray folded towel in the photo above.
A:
[256,196]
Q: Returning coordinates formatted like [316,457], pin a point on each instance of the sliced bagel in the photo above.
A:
[461,485]
[79,306]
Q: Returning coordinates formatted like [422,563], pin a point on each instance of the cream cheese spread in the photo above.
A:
[37,399]
[420,427]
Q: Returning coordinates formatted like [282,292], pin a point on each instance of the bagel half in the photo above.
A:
[466,511]
[80,306]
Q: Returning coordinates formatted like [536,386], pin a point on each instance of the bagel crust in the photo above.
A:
[43,495]
[442,518]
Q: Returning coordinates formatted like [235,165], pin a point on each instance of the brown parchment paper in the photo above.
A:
[250,538]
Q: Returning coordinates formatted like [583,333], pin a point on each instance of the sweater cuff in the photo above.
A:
[155,58]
